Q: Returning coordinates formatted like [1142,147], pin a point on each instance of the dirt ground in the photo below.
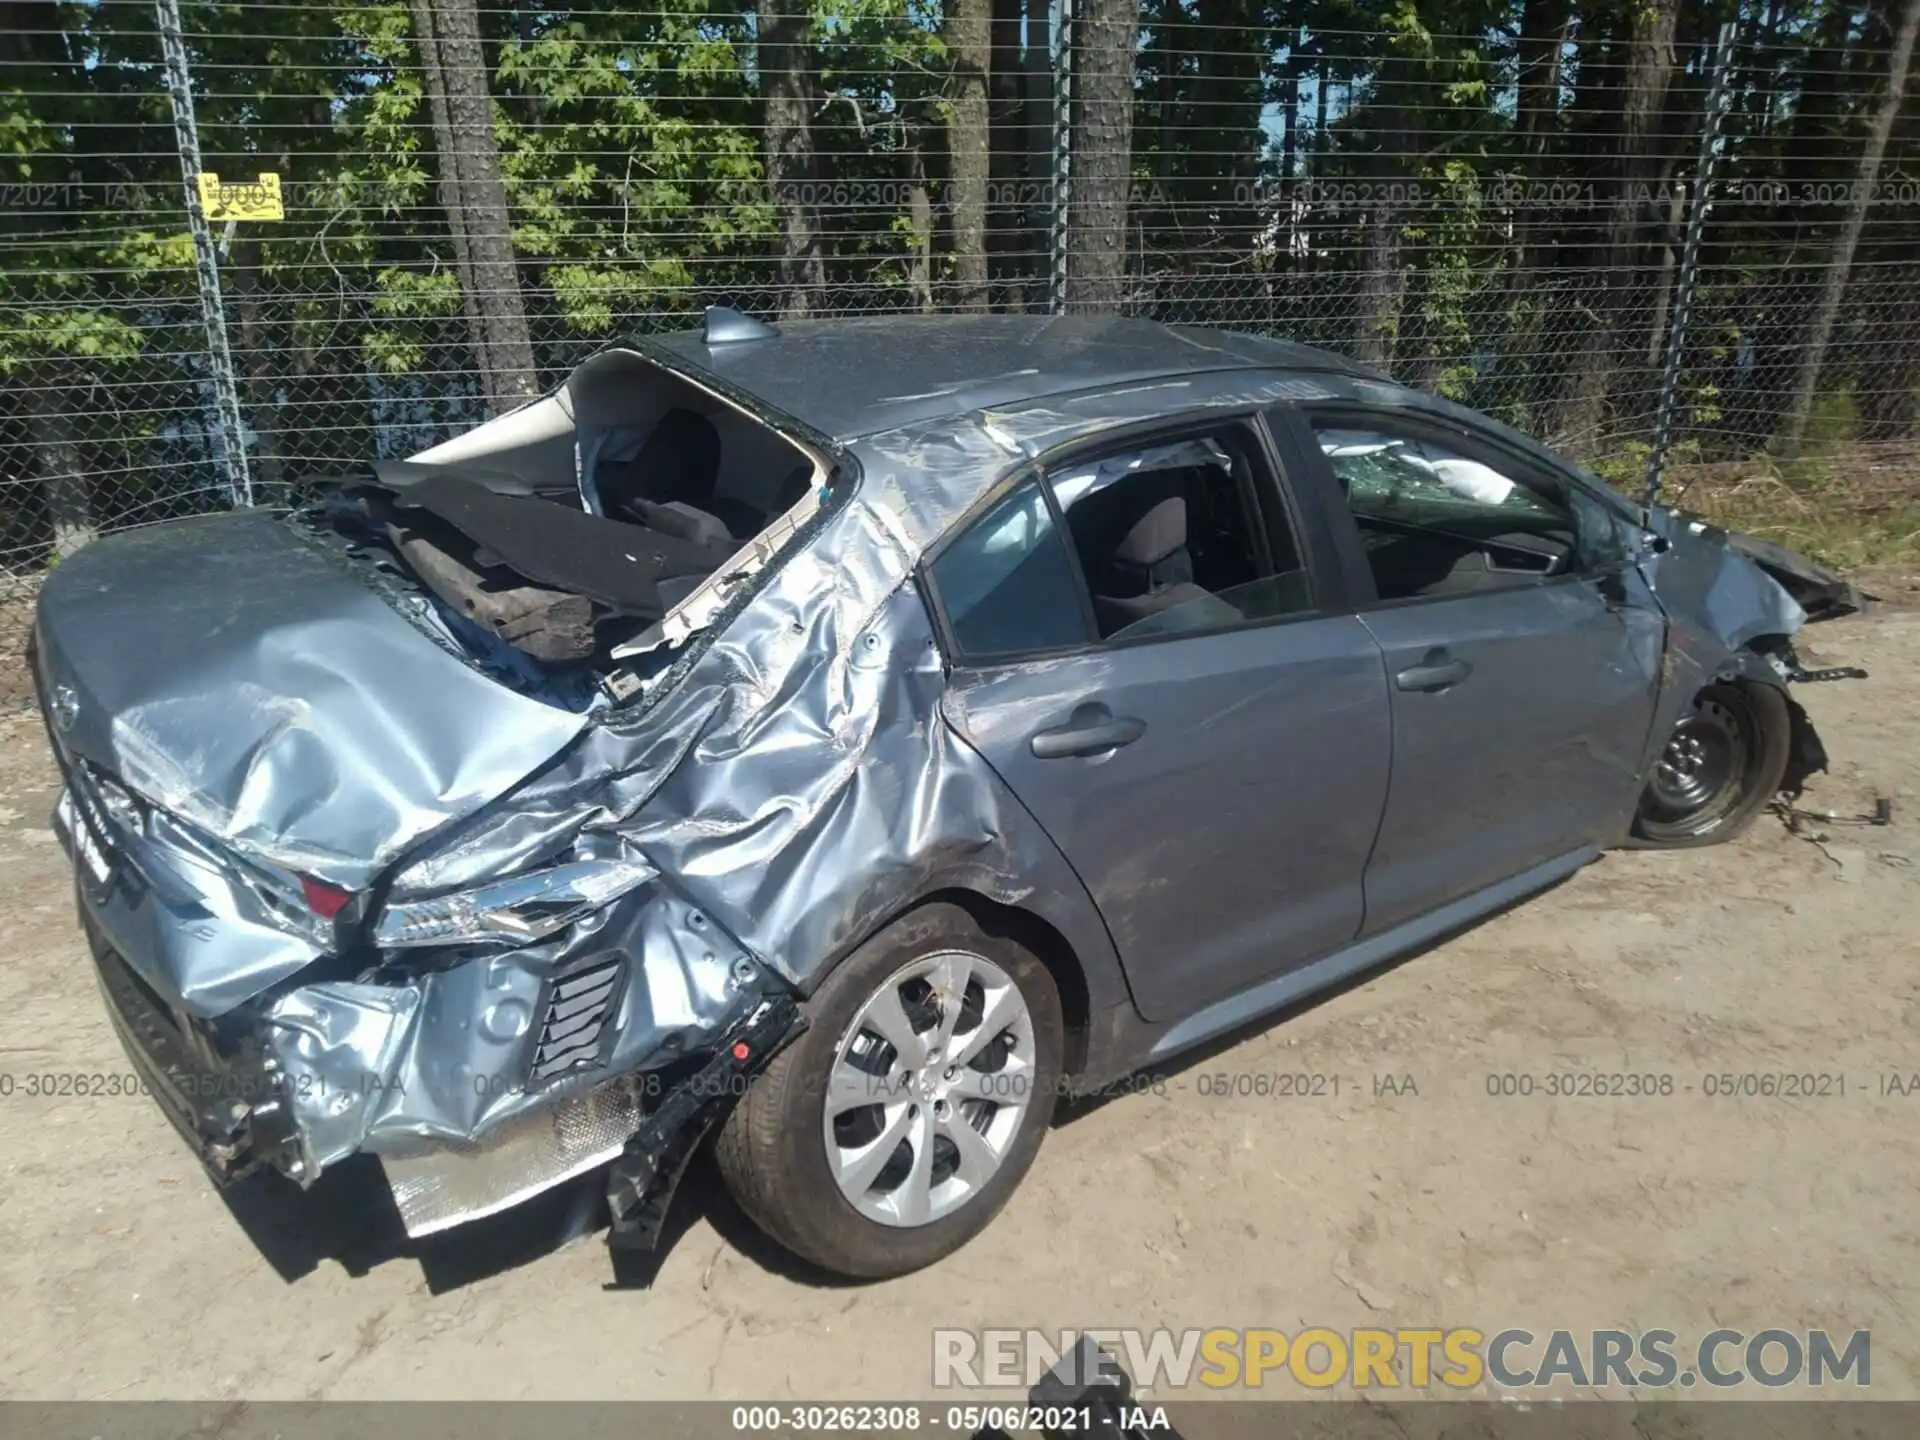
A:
[1443,1205]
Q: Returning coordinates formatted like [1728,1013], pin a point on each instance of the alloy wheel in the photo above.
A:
[930,1085]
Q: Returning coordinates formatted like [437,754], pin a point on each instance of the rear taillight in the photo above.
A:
[323,899]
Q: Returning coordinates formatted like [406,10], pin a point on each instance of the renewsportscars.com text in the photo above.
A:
[1458,1358]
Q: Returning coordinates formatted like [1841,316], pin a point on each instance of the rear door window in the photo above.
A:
[1007,584]
[1171,538]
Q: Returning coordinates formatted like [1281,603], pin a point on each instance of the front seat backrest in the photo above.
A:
[1151,573]
[1153,553]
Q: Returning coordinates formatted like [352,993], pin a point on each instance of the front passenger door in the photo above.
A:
[1138,648]
[1523,672]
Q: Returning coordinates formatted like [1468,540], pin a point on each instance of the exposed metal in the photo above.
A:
[456,1181]
[772,786]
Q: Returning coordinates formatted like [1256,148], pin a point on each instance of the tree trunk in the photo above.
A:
[1036,68]
[1104,33]
[1542,42]
[784,55]
[452,48]
[1382,287]
[1383,281]
[1669,258]
[920,245]
[433,78]
[1649,71]
[63,478]
[969,39]
[256,365]
[1290,124]
[1545,27]
[1813,353]
[1006,155]
[1225,118]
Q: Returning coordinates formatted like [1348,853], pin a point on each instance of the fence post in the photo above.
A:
[1699,201]
[1062,153]
[231,445]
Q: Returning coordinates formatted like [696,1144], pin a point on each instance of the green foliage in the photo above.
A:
[630,145]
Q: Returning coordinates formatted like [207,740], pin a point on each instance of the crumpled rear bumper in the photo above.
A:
[276,1099]
[230,1109]
[476,1085]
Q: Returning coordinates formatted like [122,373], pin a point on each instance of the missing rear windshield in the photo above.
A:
[602,526]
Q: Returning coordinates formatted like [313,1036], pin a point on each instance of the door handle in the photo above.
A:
[1436,671]
[1092,730]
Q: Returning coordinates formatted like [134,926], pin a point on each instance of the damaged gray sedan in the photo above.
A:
[853,736]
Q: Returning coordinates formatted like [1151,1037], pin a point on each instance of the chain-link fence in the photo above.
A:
[1493,202]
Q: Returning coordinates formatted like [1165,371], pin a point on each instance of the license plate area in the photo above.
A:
[231,1112]
[84,833]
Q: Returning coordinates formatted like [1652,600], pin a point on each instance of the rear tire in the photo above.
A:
[876,1188]
[1717,770]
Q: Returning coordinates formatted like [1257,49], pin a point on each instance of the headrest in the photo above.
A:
[1155,535]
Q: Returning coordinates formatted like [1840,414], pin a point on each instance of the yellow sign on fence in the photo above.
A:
[240,199]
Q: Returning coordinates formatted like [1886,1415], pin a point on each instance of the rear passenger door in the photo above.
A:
[1165,675]
[1523,666]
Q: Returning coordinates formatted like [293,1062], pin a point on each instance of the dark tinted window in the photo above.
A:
[1006,584]
[1170,540]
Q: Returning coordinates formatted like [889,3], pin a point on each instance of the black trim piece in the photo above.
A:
[641,1184]
[1305,474]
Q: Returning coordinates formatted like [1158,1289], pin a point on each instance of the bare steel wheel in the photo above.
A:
[894,1129]
[930,1086]
[1719,765]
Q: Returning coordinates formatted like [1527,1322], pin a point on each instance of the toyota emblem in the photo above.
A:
[65,708]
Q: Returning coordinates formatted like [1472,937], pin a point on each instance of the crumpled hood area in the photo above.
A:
[254,686]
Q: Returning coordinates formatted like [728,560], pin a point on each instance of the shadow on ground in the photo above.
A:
[348,1218]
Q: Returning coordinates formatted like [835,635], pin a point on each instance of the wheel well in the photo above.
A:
[1037,935]
[1806,755]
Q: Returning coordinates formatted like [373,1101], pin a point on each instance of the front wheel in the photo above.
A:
[1721,763]
[896,1127]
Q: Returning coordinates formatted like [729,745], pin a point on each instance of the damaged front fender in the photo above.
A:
[1734,604]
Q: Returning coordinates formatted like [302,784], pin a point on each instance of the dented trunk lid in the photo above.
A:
[241,679]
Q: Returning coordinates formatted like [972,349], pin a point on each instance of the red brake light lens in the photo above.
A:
[323,899]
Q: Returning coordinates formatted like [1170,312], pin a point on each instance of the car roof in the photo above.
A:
[856,377]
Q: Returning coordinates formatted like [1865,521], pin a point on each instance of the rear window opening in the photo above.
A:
[608,522]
